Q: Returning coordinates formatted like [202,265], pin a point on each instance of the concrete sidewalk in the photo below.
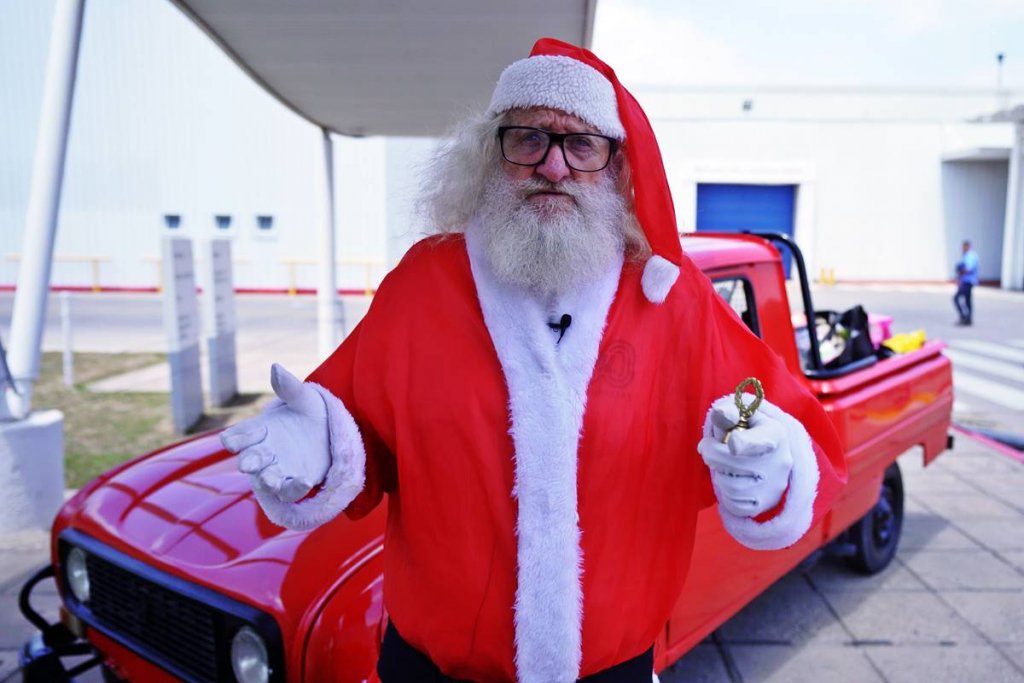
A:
[950,608]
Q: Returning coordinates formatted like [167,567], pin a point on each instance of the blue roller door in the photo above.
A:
[734,208]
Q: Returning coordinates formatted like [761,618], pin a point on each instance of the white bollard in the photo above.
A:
[181,325]
[31,471]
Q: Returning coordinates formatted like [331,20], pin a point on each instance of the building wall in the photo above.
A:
[406,161]
[163,123]
[869,197]
[815,104]
[974,208]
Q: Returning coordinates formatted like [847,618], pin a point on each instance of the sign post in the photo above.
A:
[181,324]
[219,323]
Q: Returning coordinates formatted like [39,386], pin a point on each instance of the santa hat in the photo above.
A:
[558,75]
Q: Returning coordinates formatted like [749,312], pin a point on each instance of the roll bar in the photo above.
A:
[817,369]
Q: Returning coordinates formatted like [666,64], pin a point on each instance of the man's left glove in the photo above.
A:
[751,472]
[286,448]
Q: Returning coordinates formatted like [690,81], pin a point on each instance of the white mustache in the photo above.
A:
[531,186]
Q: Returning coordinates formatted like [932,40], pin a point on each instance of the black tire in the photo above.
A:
[877,534]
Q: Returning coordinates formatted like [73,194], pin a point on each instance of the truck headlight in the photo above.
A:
[249,657]
[78,574]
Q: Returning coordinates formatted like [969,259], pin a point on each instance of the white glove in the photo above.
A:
[286,447]
[751,472]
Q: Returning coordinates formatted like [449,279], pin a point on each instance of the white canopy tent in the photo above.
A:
[385,67]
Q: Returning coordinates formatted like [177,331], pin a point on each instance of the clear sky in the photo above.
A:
[912,43]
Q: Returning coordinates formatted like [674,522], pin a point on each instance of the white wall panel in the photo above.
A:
[406,160]
[876,186]
[974,208]
[163,123]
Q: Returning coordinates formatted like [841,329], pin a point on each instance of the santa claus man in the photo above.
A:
[534,388]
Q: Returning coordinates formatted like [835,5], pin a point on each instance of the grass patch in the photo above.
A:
[102,430]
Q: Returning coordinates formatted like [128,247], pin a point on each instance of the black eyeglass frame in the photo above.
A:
[559,139]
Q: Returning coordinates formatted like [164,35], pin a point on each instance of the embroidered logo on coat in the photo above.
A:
[616,365]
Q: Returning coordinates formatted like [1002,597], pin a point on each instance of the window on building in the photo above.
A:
[223,221]
[172,221]
[265,222]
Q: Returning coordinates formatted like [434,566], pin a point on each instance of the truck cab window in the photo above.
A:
[738,293]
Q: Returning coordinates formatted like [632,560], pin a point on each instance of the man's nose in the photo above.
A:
[554,168]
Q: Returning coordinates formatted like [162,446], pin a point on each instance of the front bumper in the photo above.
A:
[42,658]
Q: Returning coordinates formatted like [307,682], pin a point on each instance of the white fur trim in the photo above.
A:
[345,477]
[559,82]
[794,520]
[547,387]
[659,276]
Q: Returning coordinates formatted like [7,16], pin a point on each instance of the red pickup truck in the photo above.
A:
[168,569]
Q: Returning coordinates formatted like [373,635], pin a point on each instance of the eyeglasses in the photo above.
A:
[585,152]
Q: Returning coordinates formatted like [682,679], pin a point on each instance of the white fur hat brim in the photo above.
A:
[563,83]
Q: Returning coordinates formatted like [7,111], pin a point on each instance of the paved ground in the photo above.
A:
[950,608]
[989,357]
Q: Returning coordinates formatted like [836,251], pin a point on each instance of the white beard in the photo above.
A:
[549,249]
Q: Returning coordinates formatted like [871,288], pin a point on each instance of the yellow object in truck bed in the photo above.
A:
[905,341]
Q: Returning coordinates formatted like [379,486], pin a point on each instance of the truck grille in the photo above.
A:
[180,626]
[177,629]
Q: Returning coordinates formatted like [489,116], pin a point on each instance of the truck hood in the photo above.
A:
[188,511]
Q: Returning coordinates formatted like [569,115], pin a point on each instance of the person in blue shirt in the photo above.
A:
[966,277]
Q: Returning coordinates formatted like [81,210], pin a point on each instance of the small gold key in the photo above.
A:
[746,411]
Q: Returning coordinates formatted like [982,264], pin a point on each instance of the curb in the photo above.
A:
[990,443]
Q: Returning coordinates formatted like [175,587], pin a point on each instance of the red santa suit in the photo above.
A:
[543,494]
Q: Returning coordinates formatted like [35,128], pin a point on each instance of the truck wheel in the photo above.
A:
[876,535]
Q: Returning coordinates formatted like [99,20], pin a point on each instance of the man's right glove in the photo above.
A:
[752,471]
[286,448]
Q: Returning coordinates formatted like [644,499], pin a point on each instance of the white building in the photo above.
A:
[169,137]
[874,184]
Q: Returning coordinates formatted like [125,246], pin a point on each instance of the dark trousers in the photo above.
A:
[962,301]
[400,662]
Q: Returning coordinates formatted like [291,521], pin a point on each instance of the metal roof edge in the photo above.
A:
[1007,115]
[185,9]
[978,154]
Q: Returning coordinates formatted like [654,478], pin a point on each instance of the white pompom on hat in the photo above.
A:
[558,75]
